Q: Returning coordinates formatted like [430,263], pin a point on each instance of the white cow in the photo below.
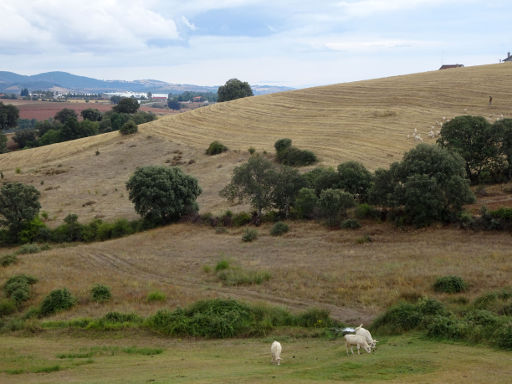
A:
[276,348]
[367,335]
[357,340]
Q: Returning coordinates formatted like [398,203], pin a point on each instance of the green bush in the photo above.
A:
[366,211]
[221,265]
[156,296]
[57,300]
[350,224]
[279,228]
[8,260]
[7,307]
[249,235]
[397,319]
[18,288]
[504,337]
[241,219]
[101,293]
[444,327]
[215,148]
[317,318]
[128,128]
[296,157]
[450,284]
[282,144]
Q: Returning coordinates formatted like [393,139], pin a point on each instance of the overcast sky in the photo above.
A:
[282,42]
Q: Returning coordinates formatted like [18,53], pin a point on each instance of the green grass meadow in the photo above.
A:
[63,358]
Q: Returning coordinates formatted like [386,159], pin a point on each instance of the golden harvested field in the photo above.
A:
[368,121]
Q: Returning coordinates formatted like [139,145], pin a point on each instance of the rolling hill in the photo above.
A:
[368,121]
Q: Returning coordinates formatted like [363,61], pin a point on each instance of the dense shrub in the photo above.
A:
[296,157]
[444,327]
[350,224]
[450,284]
[215,148]
[366,211]
[355,179]
[118,317]
[334,204]
[57,300]
[8,260]
[504,337]
[317,318]
[282,144]
[306,203]
[249,235]
[279,228]
[397,319]
[238,276]
[18,288]
[101,293]
[221,265]
[128,128]
[7,307]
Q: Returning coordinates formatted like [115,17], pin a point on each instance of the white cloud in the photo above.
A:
[361,8]
[82,25]
[187,22]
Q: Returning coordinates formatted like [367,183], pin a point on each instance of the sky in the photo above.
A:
[279,42]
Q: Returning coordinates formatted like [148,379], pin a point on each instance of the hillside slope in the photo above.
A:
[368,121]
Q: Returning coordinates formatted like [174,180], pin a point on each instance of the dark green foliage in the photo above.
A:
[18,288]
[476,140]
[504,337]
[126,105]
[128,128]
[279,228]
[173,104]
[233,89]
[450,284]
[317,318]
[215,148]
[429,184]
[222,265]
[50,137]
[350,224]
[444,327]
[142,117]
[321,178]
[365,211]
[65,114]
[286,185]
[504,127]
[355,179]
[306,203]
[296,157]
[8,260]
[240,219]
[282,144]
[397,319]
[249,235]
[333,204]
[25,138]
[91,114]
[7,307]
[3,143]
[18,203]
[57,300]
[163,194]
[9,115]
[100,293]
[253,181]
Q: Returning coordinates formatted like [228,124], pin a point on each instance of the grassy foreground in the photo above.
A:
[59,358]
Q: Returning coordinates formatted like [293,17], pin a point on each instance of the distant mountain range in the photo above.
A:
[66,82]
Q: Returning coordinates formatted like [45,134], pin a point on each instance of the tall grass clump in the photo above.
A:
[155,296]
[450,284]
[249,235]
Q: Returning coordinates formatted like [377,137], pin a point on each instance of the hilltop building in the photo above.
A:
[509,58]
[448,66]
